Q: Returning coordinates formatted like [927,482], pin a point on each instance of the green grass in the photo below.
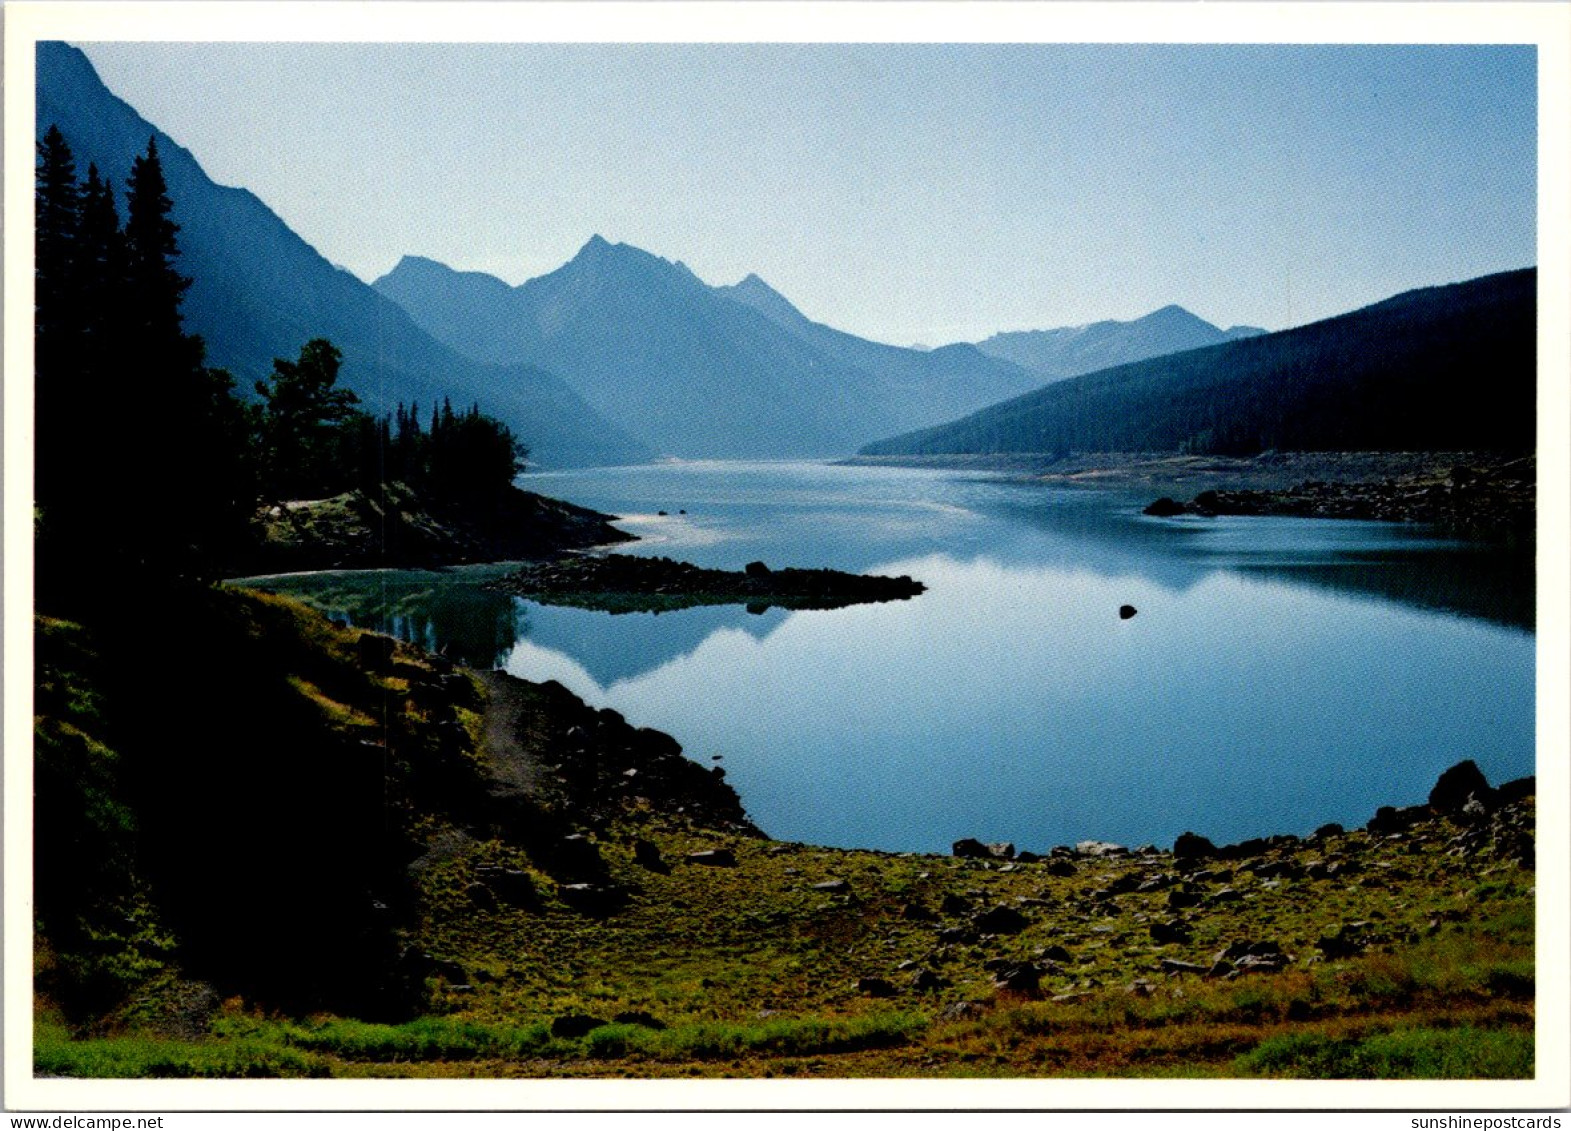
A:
[56,1053]
[243,1046]
[1463,1053]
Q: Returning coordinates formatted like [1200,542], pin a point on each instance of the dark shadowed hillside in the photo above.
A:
[1444,368]
[261,291]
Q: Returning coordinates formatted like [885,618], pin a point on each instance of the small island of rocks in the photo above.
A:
[620,583]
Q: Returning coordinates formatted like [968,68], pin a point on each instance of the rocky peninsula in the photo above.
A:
[399,527]
[1494,502]
[622,583]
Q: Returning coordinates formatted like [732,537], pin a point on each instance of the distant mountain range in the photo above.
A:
[695,370]
[1073,350]
[1444,368]
[619,355]
[262,292]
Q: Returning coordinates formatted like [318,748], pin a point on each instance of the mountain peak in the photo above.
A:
[1173,315]
[754,292]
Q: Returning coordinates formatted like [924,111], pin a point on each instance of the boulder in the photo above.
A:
[963,1011]
[648,857]
[574,1025]
[592,899]
[1057,953]
[834,886]
[1174,966]
[1516,789]
[1178,899]
[974,849]
[510,885]
[954,904]
[1165,507]
[1169,932]
[1124,884]
[481,896]
[638,1017]
[577,854]
[1388,820]
[1190,846]
[1000,920]
[375,652]
[1456,785]
[1100,848]
[1236,952]
[1025,978]
[1328,830]
[876,987]
[1060,868]
[1261,964]
[713,858]
[926,981]
[1243,850]
[1347,941]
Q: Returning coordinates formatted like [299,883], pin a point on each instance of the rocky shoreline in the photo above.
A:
[1491,502]
[401,528]
[622,583]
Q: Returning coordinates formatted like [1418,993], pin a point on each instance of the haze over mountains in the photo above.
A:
[1442,369]
[262,292]
[1073,350]
[620,355]
[697,370]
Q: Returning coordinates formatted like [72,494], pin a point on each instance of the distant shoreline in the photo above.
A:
[1268,471]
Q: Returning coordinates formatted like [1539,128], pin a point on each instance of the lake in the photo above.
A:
[1280,673]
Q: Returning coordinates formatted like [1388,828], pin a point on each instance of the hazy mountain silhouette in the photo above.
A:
[697,370]
[262,292]
[1447,368]
[923,382]
[1072,350]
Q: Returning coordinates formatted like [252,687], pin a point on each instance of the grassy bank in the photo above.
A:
[537,910]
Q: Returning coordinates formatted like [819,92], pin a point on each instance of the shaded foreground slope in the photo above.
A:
[425,873]
[1445,368]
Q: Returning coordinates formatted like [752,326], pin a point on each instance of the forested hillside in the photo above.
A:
[1444,368]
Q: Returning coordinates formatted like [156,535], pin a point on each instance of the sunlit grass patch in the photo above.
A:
[784,1036]
[1463,1053]
[56,1053]
[424,1039]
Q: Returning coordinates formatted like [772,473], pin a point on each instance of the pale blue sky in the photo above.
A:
[907,193]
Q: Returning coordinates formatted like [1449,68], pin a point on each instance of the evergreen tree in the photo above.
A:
[156,287]
[304,441]
[57,217]
[100,274]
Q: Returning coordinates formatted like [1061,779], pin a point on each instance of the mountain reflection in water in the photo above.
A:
[1280,672]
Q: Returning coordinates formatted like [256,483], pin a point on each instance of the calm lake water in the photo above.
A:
[1280,673]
